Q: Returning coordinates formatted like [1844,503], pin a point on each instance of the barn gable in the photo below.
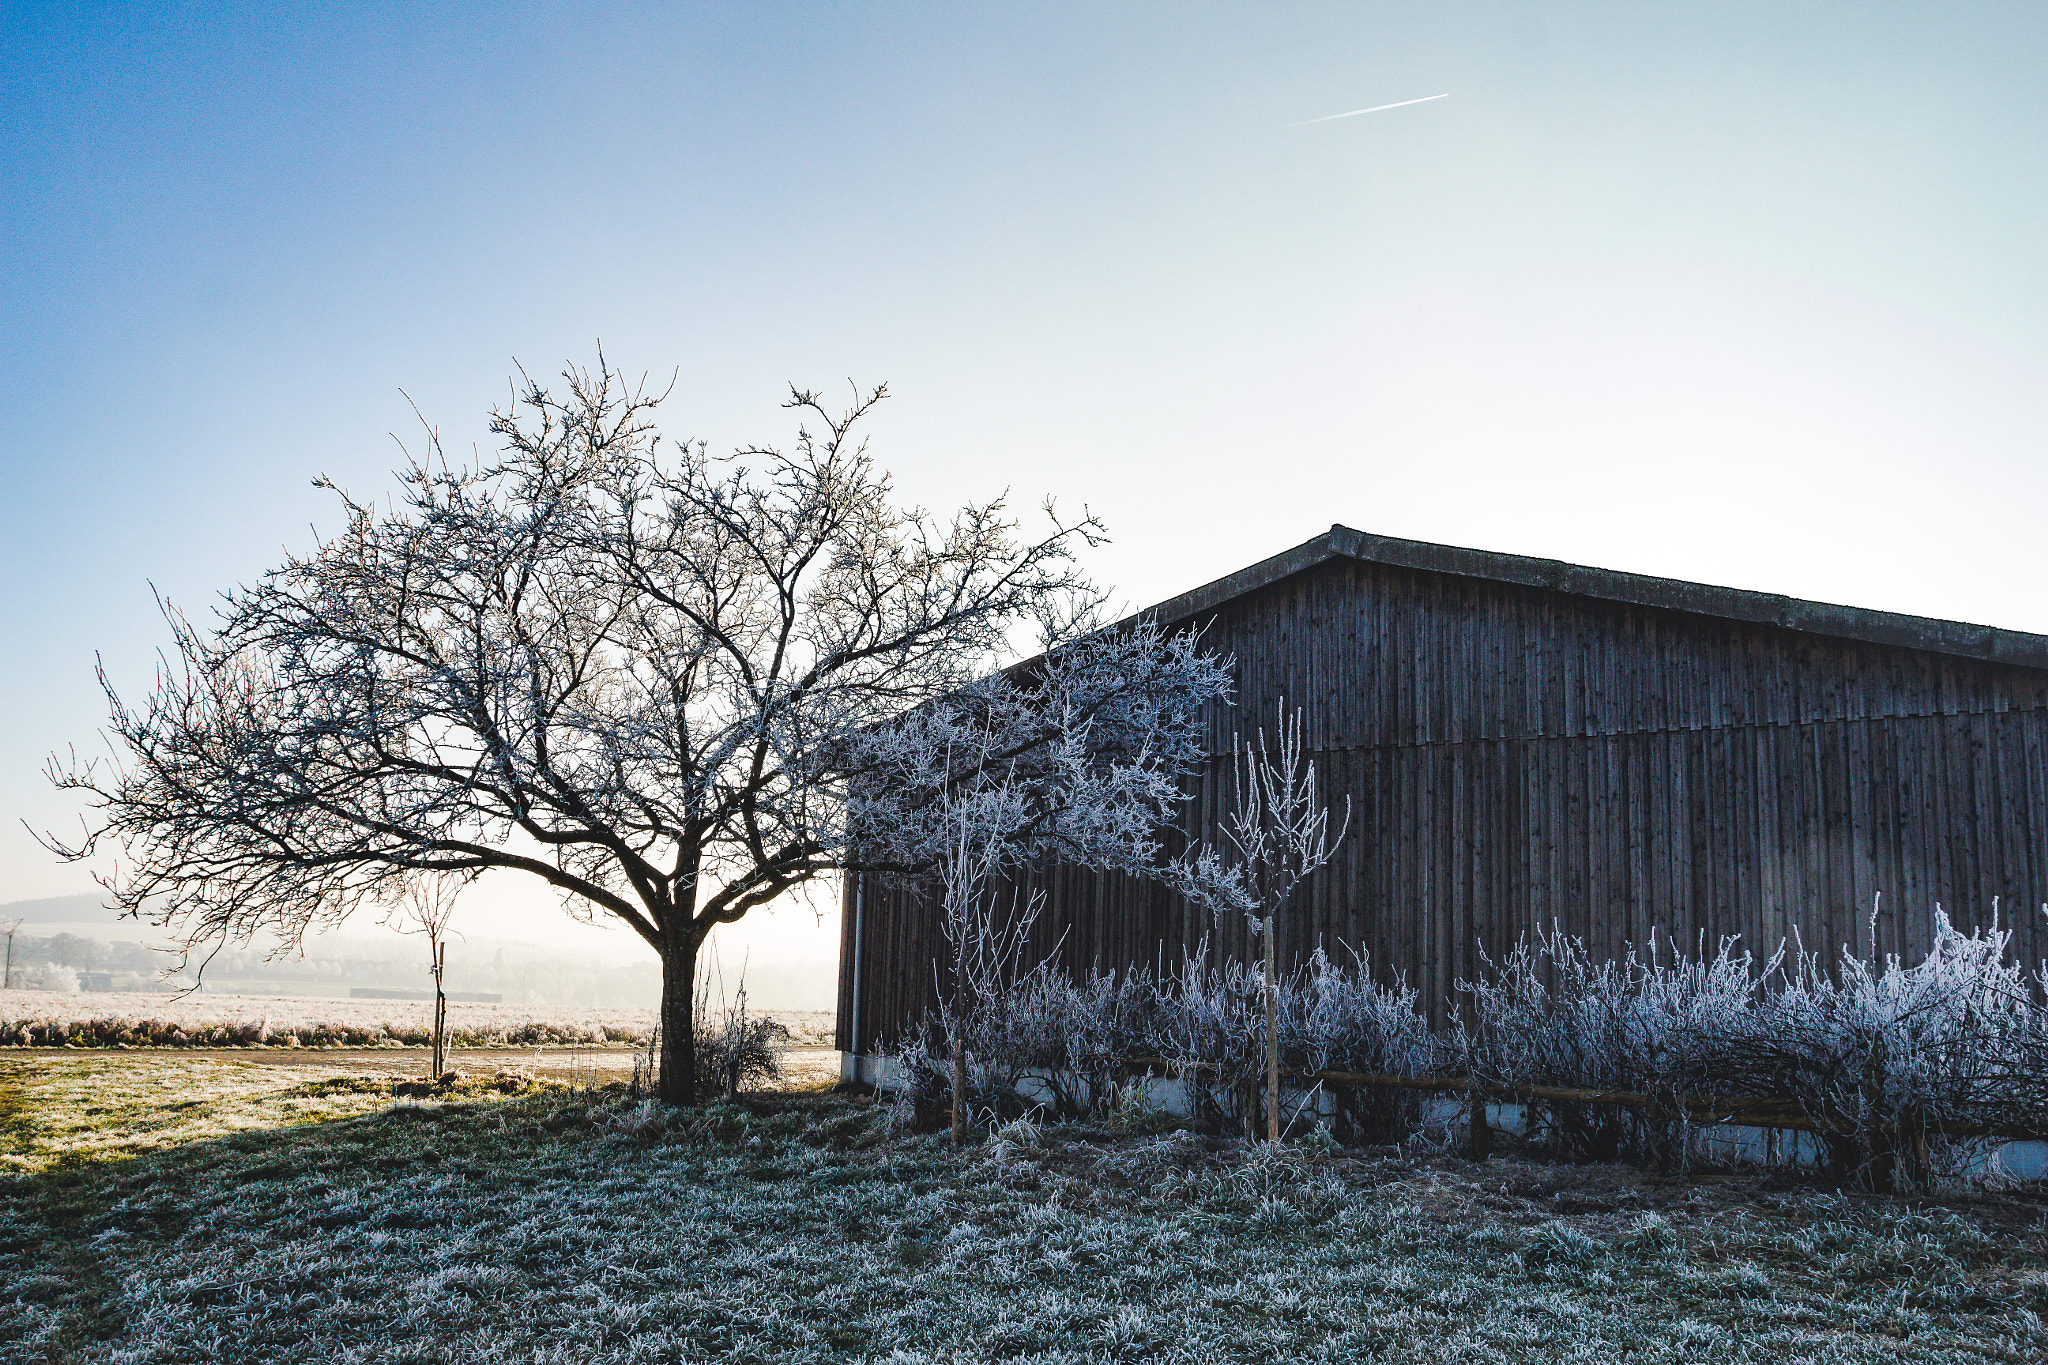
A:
[1525,742]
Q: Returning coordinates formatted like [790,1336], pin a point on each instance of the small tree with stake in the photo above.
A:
[13,928]
[645,675]
[425,907]
[1276,833]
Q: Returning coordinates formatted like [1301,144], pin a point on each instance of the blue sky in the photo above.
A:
[1749,294]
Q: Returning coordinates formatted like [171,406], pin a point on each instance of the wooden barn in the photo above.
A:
[1524,741]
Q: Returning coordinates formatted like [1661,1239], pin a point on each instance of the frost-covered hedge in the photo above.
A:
[34,1019]
[1883,1056]
[1068,1048]
[114,1032]
[1894,1063]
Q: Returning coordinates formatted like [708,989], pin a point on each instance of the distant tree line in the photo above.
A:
[533,977]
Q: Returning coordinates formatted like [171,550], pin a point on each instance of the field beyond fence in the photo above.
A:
[93,1020]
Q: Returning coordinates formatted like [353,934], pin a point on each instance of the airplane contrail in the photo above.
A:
[1398,104]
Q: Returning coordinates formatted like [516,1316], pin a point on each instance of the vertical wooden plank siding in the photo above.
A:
[1517,756]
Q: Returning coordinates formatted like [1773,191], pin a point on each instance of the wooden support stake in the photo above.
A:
[1482,1136]
[1272,1041]
[959,1092]
[440,1009]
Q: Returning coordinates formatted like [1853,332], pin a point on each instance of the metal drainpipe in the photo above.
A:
[860,895]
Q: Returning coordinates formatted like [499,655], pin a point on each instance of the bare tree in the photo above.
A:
[644,675]
[425,907]
[1276,833]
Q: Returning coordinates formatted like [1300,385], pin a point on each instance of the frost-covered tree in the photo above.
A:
[984,949]
[1076,757]
[645,675]
[1275,833]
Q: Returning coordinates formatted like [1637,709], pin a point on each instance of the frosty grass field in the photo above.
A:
[167,1207]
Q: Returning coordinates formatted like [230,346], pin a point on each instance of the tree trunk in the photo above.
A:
[1272,1040]
[959,1089]
[678,1020]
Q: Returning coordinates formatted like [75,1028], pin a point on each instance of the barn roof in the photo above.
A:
[1734,604]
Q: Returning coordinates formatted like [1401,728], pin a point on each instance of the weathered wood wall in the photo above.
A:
[1516,755]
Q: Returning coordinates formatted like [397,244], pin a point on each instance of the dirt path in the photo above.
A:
[803,1067]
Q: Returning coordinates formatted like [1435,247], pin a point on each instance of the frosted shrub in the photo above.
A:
[1879,1053]
[1214,1039]
[1879,1057]
[1343,1020]
[1331,1018]
[1048,1043]
[920,1079]
[1875,1053]
[1550,1014]
[1066,1048]
[1079,1037]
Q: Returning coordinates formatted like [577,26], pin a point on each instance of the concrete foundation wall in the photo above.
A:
[1716,1143]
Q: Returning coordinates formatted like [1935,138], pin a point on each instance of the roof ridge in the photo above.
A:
[1959,638]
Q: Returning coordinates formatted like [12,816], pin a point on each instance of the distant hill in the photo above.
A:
[87,909]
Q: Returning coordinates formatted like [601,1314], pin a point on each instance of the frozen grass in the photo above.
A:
[559,1226]
[104,1019]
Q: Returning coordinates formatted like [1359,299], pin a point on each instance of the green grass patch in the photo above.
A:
[63,1112]
[58,1112]
[568,1226]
